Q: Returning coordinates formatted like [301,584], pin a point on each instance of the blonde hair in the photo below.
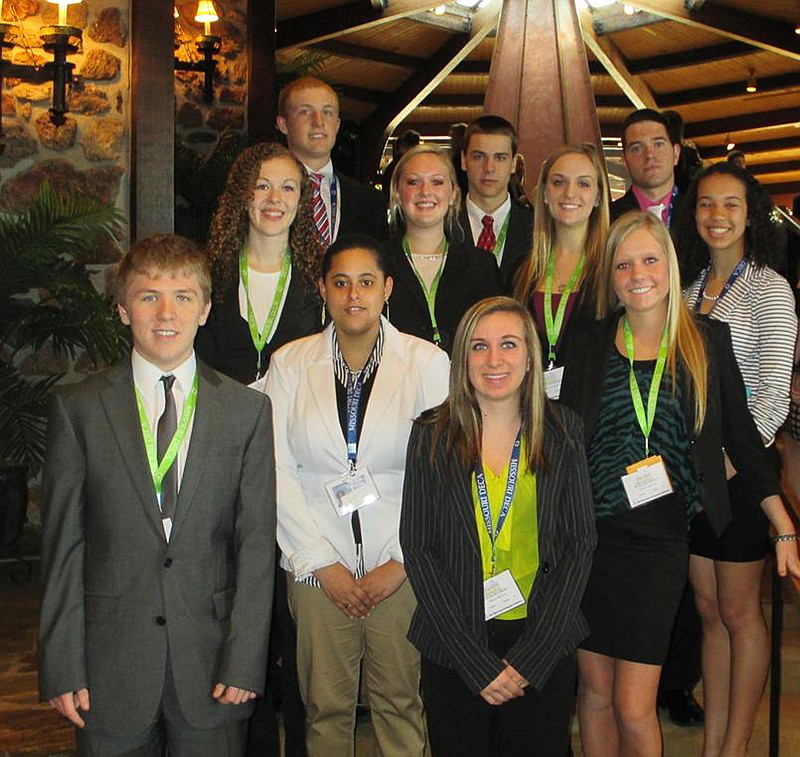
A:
[457,421]
[396,212]
[531,273]
[684,337]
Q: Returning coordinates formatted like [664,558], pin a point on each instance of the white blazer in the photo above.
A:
[311,452]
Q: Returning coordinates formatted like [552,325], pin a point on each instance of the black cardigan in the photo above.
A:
[225,344]
[728,422]
[469,275]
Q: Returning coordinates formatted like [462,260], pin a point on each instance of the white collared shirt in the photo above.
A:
[476,214]
[147,378]
[325,189]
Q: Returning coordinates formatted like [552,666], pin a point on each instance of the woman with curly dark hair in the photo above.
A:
[727,245]
[264,253]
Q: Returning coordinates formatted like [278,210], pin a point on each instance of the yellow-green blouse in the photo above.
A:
[518,543]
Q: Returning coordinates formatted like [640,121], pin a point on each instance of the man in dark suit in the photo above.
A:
[489,214]
[650,152]
[308,115]
[158,522]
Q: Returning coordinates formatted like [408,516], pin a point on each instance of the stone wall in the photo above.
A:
[91,150]
[198,123]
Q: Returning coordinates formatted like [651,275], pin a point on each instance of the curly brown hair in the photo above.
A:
[231,223]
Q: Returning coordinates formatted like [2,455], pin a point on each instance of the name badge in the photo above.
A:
[501,594]
[552,382]
[646,480]
[352,491]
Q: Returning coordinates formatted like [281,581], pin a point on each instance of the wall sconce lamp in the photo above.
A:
[207,45]
[60,40]
[752,84]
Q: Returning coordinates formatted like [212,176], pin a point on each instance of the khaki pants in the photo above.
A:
[330,650]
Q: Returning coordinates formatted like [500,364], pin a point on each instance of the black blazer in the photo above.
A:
[225,344]
[363,209]
[728,422]
[439,537]
[469,275]
[629,202]
[519,238]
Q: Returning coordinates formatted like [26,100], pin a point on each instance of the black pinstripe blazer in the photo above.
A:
[439,537]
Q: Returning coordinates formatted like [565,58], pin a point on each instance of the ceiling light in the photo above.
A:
[731,144]
[752,85]
[628,9]
[797,29]
[440,10]
[467,3]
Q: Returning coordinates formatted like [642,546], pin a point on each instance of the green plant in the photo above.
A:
[46,296]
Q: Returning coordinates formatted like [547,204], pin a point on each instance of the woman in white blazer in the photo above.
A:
[344,401]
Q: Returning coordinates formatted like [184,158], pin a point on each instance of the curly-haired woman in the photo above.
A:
[264,253]
[727,244]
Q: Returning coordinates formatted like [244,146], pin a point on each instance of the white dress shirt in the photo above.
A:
[476,214]
[147,379]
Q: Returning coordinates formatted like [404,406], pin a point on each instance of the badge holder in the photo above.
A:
[352,491]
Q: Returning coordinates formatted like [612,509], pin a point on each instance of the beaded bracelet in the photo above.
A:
[785,537]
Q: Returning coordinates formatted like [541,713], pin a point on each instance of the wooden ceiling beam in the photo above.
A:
[363,52]
[764,145]
[375,131]
[685,58]
[758,31]
[781,166]
[612,59]
[362,94]
[785,187]
[343,19]
[767,84]
[742,122]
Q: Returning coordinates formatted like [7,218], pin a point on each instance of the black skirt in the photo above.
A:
[639,571]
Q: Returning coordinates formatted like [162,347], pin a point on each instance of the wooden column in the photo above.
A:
[262,95]
[539,79]
[152,203]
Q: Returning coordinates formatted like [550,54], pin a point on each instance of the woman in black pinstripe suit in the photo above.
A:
[497,534]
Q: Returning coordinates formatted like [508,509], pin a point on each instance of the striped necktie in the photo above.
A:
[320,211]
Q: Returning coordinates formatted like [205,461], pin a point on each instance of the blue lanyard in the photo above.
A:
[725,289]
[671,206]
[334,205]
[483,497]
[355,384]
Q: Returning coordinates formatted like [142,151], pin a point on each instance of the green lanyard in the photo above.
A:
[645,424]
[260,337]
[430,294]
[553,325]
[501,239]
[159,469]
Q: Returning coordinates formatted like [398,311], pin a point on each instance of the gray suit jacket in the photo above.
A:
[116,595]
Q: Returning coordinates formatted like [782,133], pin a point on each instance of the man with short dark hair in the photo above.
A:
[158,532]
[489,213]
[308,115]
[650,152]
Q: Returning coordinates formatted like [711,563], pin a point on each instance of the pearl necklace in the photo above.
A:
[710,298]
[426,256]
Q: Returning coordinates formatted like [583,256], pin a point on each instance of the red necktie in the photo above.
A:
[487,239]
[320,211]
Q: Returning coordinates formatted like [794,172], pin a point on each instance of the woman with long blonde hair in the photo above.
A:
[557,279]
[660,395]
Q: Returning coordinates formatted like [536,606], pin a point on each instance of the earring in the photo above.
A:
[386,304]
[322,318]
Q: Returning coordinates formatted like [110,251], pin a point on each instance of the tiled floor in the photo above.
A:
[28,728]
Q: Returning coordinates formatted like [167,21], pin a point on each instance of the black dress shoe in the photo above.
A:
[682,707]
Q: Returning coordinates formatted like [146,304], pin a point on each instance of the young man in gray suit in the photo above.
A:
[158,532]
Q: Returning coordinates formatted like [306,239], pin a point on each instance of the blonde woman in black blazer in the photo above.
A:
[502,686]
[641,563]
